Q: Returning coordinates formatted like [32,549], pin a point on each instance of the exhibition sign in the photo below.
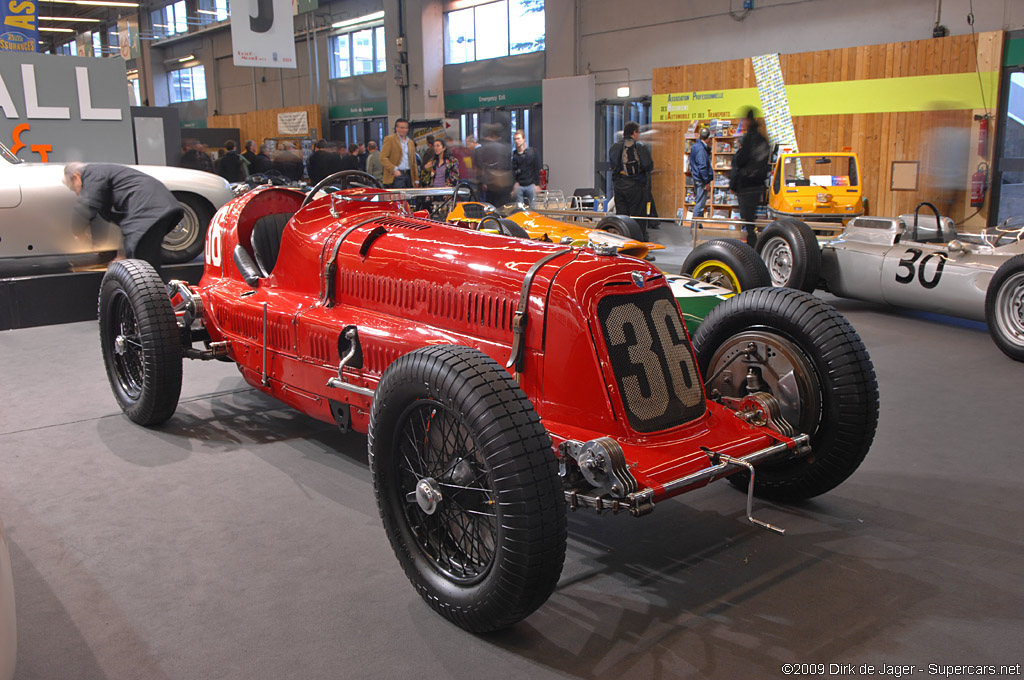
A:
[262,33]
[81,115]
[128,38]
[944,92]
[19,32]
[292,123]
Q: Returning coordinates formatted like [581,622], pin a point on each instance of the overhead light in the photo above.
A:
[97,3]
[358,20]
[56,30]
[133,72]
[623,91]
[76,19]
[206,11]
[188,58]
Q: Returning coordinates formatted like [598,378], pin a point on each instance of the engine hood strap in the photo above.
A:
[519,319]
[331,265]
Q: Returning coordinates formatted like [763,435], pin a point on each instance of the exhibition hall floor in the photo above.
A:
[241,539]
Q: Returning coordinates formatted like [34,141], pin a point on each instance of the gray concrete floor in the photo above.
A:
[241,540]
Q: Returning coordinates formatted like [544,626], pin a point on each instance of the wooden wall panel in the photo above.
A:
[878,138]
[260,125]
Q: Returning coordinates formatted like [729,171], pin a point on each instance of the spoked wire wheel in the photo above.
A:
[450,506]
[141,342]
[128,367]
[467,486]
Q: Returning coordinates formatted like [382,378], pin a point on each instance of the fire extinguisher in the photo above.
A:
[544,178]
[982,135]
[979,182]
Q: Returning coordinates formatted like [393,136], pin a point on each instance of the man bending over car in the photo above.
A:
[140,205]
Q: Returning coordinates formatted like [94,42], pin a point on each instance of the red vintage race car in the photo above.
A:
[500,381]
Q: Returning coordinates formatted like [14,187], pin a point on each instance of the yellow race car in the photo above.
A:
[618,231]
[819,187]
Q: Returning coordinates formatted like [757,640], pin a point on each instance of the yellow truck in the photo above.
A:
[817,187]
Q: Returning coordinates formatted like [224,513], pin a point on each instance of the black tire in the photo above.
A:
[504,226]
[492,552]
[141,343]
[185,242]
[790,251]
[728,263]
[812,360]
[1004,308]
[623,225]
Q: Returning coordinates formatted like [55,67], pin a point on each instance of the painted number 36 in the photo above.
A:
[909,263]
[671,370]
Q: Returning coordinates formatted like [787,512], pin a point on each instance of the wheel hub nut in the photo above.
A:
[119,345]
[428,495]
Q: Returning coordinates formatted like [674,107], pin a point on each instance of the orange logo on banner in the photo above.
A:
[42,149]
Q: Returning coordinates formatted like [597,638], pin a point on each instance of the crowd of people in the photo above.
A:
[503,173]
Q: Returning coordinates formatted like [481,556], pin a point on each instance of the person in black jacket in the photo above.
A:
[319,164]
[631,172]
[288,162]
[195,156]
[262,164]
[749,172]
[250,153]
[526,170]
[232,166]
[139,204]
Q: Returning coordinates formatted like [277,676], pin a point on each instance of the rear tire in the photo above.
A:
[727,263]
[185,242]
[623,225]
[1004,308]
[790,251]
[809,357]
[141,342]
[467,487]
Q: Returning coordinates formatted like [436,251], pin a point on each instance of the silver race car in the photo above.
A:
[916,261]
[36,229]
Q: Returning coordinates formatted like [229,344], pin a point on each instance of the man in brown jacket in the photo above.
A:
[398,156]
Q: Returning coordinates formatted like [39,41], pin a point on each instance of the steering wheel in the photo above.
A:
[345,176]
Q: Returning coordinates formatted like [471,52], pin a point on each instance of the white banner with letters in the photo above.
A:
[262,33]
[292,123]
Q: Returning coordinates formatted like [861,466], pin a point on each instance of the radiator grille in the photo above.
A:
[654,366]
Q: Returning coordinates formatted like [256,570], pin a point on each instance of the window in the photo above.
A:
[169,20]
[112,38]
[67,48]
[133,87]
[496,29]
[97,44]
[358,53]
[211,11]
[187,84]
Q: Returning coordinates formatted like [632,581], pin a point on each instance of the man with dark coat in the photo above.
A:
[262,163]
[700,171]
[319,164]
[195,157]
[232,166]
[749,172]
[140,205]
[250,152]
[493,163]
[631,172]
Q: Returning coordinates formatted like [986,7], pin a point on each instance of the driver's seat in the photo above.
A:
[266,240]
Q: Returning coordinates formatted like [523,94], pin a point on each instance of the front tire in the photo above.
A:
[467,487]
[1004,308]
[790,251]
[141,342]
[185,242]
[623,225]
[810,358]
[727,263]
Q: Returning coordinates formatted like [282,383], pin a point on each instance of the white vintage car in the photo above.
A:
[917,261]
[36,228]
